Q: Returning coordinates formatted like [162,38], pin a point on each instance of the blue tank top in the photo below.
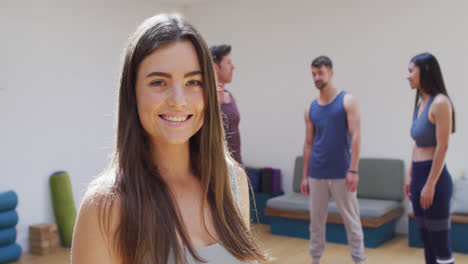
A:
[331,154]
[422,130]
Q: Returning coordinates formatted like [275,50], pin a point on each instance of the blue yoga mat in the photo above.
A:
[10,253]
[7,236]
[8,200]
[8,219]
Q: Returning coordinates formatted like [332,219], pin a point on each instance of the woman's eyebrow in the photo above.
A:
[192,73]
[163,74]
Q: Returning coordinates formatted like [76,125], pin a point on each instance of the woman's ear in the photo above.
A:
[217,68]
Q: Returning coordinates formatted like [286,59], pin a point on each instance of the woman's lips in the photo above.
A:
[176,120]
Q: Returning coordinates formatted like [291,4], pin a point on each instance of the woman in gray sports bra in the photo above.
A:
[172,193]
[429,184]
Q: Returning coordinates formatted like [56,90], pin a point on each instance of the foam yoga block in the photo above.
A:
[10,253]
[8,200]
[8,219]
[64,205]
[7,236]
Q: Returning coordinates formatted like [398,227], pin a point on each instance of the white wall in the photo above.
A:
[59,72]
[370,43]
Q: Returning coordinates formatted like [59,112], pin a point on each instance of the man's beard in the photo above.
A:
[321,86]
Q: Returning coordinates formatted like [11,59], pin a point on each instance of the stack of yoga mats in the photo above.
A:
[266,184]
[64,206]
[265,180]
[9,250]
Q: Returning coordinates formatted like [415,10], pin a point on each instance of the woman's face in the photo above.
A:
[413,76]
[169,91]
[225,69]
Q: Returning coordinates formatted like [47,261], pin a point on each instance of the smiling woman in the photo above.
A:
[172,193]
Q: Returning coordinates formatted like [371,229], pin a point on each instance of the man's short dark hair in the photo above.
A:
[219,51]
[321,61]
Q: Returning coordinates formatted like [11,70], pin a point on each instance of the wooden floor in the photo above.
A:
[294,250]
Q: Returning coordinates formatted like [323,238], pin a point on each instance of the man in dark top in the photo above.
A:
[224,68]
[331,160]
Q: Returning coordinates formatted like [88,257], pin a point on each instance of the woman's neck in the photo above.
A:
[172,161]
[424,96]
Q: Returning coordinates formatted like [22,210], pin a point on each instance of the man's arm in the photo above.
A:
[309,141]
[353,115]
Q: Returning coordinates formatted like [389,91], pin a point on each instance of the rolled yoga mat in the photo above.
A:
[255,178]
[64,206]
[7,236]
[10,253]
[8,200]
[8,219]
[267,180]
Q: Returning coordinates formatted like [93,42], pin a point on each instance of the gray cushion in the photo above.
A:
[460,197]
[381,179]
[370,209]
[297,177]
[292,201]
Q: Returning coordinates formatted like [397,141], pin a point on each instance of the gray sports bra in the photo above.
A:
[422,130]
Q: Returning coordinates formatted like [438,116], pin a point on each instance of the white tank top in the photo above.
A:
[216,253]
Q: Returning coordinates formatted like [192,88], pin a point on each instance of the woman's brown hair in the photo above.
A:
[150,223]
[431,80]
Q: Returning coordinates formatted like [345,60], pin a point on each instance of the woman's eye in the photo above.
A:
[194,83]
[157,83]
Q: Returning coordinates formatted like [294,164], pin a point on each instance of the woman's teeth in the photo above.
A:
[175,118]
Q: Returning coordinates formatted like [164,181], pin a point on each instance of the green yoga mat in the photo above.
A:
[64,206]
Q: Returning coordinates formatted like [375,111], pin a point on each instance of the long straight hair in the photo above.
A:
[150,222]
[430,79]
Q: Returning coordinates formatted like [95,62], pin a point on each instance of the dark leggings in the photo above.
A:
[433,223]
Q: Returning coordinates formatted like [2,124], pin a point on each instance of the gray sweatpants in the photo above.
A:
[319,195]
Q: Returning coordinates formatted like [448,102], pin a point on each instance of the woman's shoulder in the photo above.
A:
[97,222]
[240,187]
[231,96]
[102,185]
[441,99]
[440,103]
[236,171]
[102,198]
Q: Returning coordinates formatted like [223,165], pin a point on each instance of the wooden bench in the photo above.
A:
[337,219]
[296,223]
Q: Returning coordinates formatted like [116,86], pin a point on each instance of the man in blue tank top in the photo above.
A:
[331,160]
